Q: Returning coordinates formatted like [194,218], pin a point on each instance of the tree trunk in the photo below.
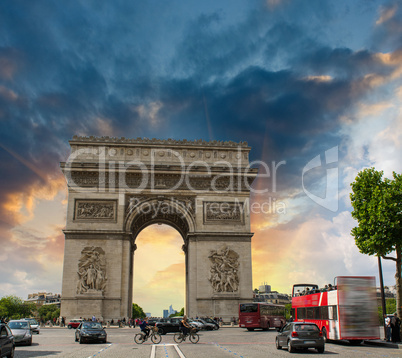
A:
[398,280]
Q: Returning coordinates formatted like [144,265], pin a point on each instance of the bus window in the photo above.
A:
[249,307]
[301,313]
[324,312]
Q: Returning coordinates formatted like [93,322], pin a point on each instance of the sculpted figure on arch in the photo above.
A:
[91,270]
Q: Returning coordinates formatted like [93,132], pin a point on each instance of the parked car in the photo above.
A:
[207,326]
[152,321]
[295,335]
[196,324]
[74,323]
[210,320]
[21,331]
[90,331]
[168,325]
[34,324]
[7,345]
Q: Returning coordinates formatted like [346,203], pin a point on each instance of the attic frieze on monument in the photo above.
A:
[237,157]
[165,182]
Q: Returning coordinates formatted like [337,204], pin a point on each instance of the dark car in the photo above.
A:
[7,345]
[168,325]
[210,320]
[152,321]
[90,332]
[297,335]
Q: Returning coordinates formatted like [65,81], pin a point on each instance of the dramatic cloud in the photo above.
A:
[292,80]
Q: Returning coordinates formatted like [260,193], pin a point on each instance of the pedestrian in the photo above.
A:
[387,322]
[395,326]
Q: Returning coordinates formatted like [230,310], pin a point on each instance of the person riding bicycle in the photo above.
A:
[184,326]
[144,326]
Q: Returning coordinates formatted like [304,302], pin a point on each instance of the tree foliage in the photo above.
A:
[138,312]
[377,207]
[14,307]
[49,312]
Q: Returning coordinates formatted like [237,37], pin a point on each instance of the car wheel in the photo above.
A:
[69,327]
[320,349]
[29,342]
[324,334]
[291,349]
[278,346]
[11,355]
[250,329]
[161,331]
[81,340]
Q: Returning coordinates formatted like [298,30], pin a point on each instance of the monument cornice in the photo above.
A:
[91,140]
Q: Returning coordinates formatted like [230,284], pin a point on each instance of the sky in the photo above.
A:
[295,79]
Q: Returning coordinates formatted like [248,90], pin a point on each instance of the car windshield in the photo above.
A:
[18,325]
[306,327]
[93,325]
[32,321]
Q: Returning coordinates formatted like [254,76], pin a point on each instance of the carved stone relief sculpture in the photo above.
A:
[95,210]
[91,270]
[224,275]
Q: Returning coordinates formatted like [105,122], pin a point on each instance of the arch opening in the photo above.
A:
[159,270]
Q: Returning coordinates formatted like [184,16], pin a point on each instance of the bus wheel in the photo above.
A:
[266,328]
[250,329]
[324,334]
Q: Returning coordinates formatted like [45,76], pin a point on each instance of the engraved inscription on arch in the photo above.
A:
[223,212]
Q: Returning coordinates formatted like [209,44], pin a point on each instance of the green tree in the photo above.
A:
[15,307]
[138,312]
[377,207]
[49,312]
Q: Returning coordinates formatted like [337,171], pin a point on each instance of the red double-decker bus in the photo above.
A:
[261,315]
[345,311]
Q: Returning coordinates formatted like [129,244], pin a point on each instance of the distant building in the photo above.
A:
[148,314]
[265,294]
[165,313]
[44,298]
[171,310]
[389,292]
[265,288]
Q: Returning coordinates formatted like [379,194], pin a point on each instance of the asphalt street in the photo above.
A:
[225,343]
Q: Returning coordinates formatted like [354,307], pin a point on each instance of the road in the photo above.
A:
[225,343]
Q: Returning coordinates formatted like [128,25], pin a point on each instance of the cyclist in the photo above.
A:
[184,326]
[145,327]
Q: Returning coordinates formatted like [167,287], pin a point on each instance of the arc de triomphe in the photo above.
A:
[118,186]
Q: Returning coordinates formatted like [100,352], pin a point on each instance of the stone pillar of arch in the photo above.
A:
[117,187]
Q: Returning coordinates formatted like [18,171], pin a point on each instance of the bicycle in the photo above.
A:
[156,338]
[193,336]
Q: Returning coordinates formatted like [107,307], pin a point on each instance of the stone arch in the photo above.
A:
[119,186]
[170,211]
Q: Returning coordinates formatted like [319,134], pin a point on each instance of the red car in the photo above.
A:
[74,323]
